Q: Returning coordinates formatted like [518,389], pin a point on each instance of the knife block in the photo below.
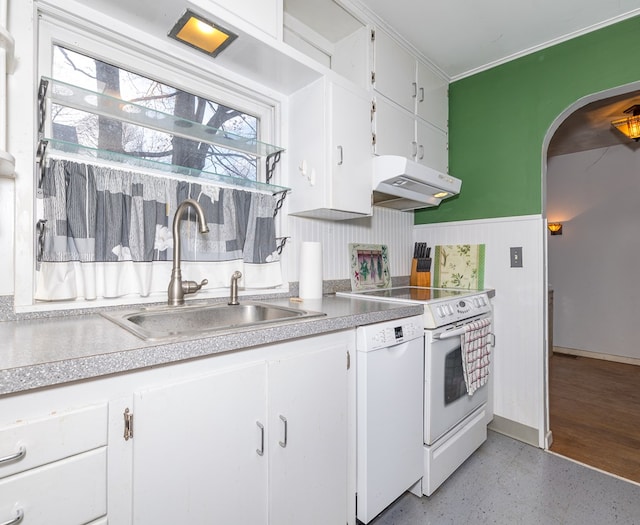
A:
[420,277]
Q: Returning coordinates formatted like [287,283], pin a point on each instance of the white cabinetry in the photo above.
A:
[330,151]
[53,469]
[308,438]
[411,105]
[262,436]
[265,15]
[264,443]
[195,448]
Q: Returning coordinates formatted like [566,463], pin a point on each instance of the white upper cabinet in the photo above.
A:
[394,71]
[401,77]
[266,15]
[330,35]
[411,101]
[330,151]
[432,103]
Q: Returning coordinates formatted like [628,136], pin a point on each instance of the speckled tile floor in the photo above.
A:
[509,482]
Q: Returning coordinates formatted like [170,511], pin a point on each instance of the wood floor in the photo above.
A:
[595,413]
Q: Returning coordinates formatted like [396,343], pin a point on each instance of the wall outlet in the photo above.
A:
[515,256]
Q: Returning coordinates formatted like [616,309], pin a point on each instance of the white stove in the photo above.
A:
[442,306]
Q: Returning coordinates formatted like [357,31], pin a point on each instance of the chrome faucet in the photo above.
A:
[233,299]
[177,287]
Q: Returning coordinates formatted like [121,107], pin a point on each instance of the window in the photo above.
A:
[73,54]
[103,133]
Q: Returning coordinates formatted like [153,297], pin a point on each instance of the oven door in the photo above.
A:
[446,400]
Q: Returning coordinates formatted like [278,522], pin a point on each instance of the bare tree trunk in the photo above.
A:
[109,130]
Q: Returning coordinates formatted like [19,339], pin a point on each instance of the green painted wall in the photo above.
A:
[498,119]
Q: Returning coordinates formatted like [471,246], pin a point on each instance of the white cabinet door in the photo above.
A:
[395,71]
[308,443]
[351,151]
[265,15]
[432,147]
[433,97]
[196,450]
[395,130]
[330,151]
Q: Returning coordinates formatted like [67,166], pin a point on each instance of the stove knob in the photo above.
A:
[476,302]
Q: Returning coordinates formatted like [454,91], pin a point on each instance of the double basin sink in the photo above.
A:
[161,323]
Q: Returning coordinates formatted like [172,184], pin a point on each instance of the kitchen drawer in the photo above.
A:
[51,438]
[68,492]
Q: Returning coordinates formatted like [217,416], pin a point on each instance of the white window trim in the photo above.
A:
[177,71]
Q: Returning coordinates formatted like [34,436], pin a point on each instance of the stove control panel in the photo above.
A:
[449,311]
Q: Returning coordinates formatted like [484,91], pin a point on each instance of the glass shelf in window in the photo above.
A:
[100,104]
[87,154]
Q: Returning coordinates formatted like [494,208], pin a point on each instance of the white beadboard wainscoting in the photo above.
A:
[519,355]
[391,227]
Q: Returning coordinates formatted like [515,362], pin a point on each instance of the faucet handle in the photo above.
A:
[192,286]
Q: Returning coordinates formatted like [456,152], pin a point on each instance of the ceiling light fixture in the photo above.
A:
[201,34]
[629,126]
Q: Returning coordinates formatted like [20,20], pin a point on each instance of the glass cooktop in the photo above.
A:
[411,294]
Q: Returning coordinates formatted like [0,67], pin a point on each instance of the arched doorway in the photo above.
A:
[589,183]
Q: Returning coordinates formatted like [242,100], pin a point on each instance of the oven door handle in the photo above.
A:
[452,333]
[458,332]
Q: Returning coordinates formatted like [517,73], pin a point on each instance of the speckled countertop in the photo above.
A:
[37,353]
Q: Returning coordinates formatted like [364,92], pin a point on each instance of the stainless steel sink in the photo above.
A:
[154,324]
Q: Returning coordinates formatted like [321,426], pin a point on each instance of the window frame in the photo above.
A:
[181,72]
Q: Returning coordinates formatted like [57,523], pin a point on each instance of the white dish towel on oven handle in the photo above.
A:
[476,353]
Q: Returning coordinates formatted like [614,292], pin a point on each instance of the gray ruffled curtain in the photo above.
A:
[97,214]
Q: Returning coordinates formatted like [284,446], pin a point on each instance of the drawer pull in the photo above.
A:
[22,452]
[17,519]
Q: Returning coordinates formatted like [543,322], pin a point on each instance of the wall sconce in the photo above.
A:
[555,228]
[629,126]
[201,34]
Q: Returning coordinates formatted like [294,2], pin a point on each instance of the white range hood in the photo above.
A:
[405,185]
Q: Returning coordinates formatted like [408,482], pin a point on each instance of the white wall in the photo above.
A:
[519,354]
[391,227]
[6,236]
[593,265]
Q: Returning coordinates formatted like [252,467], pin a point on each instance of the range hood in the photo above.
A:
[405,185]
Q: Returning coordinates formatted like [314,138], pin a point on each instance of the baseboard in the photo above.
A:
[515,430]
[595,355]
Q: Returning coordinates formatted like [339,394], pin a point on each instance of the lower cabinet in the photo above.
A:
[53,468]
[260,436]
[260,443]
[308,438]
[196,450]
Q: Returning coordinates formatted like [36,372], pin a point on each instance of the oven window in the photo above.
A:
[454,385]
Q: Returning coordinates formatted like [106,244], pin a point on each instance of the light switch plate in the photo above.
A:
[515,255]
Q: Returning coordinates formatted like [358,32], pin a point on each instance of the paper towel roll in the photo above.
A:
[310,270]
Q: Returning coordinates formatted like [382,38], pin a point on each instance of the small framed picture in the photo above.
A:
[369,266]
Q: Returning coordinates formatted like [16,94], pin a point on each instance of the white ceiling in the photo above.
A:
[462,37]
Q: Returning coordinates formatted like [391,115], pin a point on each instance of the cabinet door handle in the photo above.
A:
[341,150]
[421,152]
[415,89]
[414,148]
[260,451]
[22,452]
[283,444]
[421,99]
[17,519]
